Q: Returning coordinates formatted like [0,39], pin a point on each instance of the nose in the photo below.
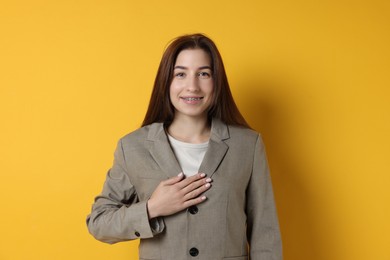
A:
[193,84]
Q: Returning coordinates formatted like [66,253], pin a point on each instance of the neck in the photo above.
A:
[190,130]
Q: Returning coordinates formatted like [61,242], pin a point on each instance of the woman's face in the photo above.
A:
[192,86]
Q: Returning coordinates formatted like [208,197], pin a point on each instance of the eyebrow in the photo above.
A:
[200,68]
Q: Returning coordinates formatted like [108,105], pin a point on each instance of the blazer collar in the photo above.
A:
[163,154]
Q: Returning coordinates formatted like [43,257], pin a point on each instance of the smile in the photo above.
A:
[192,98]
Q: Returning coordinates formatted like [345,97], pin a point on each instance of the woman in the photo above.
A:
[193,181]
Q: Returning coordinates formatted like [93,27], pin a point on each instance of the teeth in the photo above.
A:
[192,99]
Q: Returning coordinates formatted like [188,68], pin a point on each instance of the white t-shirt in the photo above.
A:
[190,156]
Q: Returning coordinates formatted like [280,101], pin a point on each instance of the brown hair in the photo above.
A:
[222,106]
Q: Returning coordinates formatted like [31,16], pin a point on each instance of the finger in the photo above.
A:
[194,201]
[195,193]
[190,179]
[194,185]
[174,179]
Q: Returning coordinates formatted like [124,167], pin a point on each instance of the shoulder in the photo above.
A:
[232,134]
[140,136]
[243,134]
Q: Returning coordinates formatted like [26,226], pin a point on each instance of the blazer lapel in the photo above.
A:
[161,151]
[217,148]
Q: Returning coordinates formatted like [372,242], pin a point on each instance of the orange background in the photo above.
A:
[311,76]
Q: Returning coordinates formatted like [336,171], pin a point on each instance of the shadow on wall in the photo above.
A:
[268,111]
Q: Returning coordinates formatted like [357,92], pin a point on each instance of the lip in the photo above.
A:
[192,97]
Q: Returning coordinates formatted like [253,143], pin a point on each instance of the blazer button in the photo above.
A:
[194,251]
[137,234]
[193,210]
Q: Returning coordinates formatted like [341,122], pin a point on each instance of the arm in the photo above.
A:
[262,223]
[117,214]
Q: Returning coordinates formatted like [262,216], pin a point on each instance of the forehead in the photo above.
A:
[193,58]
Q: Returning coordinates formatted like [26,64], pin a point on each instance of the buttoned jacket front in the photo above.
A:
[237,221]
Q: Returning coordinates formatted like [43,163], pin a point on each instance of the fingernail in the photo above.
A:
[208,180]
[180,174]
[203,197]
[202,175]
[207,185]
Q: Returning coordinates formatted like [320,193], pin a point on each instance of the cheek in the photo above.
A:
[210,88]
[174,88]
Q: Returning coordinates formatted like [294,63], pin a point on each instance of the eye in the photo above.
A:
[179,75]
[204,74]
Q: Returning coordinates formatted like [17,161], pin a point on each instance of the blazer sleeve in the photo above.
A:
[117,214]
[262,222]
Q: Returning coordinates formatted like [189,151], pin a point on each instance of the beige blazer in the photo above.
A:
[237,221]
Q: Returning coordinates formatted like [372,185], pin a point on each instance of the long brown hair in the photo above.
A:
[222,106]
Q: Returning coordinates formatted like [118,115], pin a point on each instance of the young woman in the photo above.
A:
[193,181]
